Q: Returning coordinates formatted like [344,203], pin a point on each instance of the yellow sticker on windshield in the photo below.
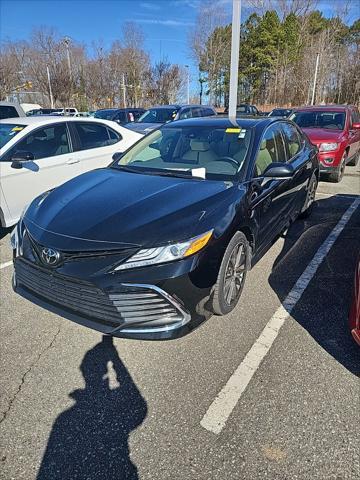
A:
[233,130]
[17,129]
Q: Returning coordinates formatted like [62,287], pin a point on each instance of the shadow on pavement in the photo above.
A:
[324,306]
[90,439]
[5,231]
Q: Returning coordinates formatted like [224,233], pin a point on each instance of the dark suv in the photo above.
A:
[120,115]
[157,116]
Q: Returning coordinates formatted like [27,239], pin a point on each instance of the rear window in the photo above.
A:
[9,131]
[105,114]
[6,111]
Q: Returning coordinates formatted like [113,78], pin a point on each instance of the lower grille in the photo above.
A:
[130,305]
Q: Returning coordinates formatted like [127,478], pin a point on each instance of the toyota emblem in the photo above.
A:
[50,256]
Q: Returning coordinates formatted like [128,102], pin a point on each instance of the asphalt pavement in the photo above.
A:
[75,405]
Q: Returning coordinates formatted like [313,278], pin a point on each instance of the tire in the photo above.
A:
[355,160]
[337,176]
[224,301]
[310,198]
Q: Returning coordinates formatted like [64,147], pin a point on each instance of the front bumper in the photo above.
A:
[134,310]
[330,161]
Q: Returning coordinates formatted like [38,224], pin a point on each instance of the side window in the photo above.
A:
[45,142]
[292,140]
[355,117]
[113,136]
[255,111]
[94,135]
[207,112]
[271,150]
[6,111]
[197,112]
[186,113]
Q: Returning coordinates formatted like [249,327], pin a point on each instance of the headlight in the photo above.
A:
[328,147]
[167,253]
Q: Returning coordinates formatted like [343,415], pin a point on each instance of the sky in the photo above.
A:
[165,23]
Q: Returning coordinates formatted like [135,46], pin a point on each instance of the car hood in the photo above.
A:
[109,208]
[323,135]
[142,127]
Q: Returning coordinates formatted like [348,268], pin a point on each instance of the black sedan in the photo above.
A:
[164,237]
[121,116]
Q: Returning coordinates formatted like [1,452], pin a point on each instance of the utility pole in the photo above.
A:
[49,82]
[315,78]
[234,68]
[188,85]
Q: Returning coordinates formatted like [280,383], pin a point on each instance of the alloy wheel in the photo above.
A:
[235,274]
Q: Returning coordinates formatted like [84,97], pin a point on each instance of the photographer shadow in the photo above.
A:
[323,307]
[90,439]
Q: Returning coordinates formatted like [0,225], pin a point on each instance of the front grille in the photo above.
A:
[129,305]
[117,255]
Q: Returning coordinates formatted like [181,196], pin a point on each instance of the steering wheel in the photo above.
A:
[229,160]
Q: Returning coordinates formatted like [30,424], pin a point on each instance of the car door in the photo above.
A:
[53,165]
[300,156]
[267,196]
[95,144]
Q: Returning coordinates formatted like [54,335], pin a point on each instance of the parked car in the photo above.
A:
[27,107]
[135,249]
[45,111]
[244,109]
[38,153]
[11,110]
[354,316]
[157,116]
[335,130]
[281,112]
[120,115]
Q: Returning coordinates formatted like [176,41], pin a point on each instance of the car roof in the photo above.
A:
[49,119]
[325,108]
[223,122]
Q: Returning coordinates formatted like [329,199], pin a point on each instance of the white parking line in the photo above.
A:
[6,264]
[219,411]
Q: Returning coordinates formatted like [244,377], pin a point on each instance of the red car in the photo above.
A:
[335,130]
[354,317]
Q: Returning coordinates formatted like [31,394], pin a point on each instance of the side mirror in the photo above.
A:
[117,155]
[279,171]
[356,126]
[20,157]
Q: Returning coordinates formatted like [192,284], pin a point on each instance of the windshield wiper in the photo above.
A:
[176,173]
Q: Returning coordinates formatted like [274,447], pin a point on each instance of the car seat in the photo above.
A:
[199,153]
[263,159]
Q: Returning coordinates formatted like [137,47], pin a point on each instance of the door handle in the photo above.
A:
[71,161]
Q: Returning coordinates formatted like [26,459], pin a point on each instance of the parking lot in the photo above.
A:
[76,405]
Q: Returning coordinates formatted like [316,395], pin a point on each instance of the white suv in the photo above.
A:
[40,153]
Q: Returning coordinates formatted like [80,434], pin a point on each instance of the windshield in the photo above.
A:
[8,131]
[203,152]
[319,119]
[105,114]
[158,115]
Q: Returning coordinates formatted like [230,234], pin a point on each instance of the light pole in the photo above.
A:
[188,85]
[50,91]
[315,78]
[124,89]
[67,41]
[234,68]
